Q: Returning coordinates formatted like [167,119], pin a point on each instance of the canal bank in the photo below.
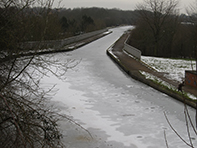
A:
[133,67]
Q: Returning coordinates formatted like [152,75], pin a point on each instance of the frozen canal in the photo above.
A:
[118,111]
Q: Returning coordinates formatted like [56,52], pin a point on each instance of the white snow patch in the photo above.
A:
[174,68]
[160,81]
[154,78]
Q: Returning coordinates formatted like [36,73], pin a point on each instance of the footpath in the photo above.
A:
[133,67]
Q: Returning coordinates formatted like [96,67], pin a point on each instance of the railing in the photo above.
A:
[59,43]
[132,50]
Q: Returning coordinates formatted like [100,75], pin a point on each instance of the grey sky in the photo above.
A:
[121,4]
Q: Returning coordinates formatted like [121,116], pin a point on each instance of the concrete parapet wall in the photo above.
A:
[132,50]
[59,43]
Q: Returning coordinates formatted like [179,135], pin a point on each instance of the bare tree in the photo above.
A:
[192,12]
[190,127]
[26,118]
[156,14]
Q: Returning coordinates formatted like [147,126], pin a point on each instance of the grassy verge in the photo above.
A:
[168,86]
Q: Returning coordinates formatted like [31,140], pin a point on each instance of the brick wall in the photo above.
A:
[191,78]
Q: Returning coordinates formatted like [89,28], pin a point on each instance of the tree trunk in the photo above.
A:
[196,60]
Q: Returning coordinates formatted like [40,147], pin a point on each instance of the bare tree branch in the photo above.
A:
[166,139]
[187,126]
[180,137]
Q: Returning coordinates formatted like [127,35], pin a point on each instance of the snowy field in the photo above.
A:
[174,68]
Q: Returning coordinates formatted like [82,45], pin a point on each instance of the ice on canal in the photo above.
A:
[118,111]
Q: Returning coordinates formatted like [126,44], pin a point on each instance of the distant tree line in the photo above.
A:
[161,31]
[27,24]
[40,23]
[80,20]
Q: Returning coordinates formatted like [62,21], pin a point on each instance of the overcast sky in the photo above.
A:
[121,4]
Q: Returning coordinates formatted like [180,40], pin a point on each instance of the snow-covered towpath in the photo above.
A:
[118,111]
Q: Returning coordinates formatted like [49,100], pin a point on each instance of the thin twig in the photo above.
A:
[176,131]
[166,139]
[187,125]
[17,126]
[77,125]
[190,120]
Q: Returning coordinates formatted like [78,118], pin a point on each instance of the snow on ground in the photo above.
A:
[160,81]
[174,68]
